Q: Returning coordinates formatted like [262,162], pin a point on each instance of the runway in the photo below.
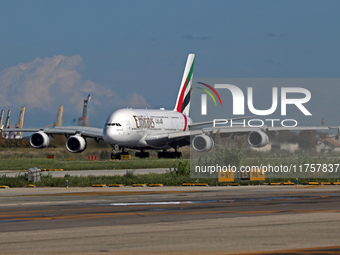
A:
[171,220]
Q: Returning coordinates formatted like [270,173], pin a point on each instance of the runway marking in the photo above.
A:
[209,201]
[166,203]
[149,203]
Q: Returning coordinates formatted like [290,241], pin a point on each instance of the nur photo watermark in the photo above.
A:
[282,128]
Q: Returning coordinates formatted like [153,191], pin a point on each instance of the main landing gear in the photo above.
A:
[169,154]
[142,154]
[161,154]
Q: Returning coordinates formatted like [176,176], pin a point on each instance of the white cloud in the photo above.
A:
[44,84]
[40,83]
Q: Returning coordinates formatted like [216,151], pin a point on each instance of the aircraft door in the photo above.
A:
[127,128]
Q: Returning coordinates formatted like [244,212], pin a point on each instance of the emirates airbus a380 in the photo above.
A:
[144,129]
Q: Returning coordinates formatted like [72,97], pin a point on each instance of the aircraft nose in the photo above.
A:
[108,134]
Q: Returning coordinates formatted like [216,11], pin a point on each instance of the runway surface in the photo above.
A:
[171,220]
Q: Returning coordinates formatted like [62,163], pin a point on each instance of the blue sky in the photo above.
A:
[132,53]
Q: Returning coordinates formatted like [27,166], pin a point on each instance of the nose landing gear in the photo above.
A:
[119,155]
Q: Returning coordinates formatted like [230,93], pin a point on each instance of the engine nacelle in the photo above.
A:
[76,144]
[202,143]
[258,139]
[39,140]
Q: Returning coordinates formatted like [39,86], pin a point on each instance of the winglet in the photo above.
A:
[185,91]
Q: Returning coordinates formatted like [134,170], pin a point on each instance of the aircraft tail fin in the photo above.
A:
[185,91]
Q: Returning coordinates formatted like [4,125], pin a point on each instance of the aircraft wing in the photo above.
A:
[239,130]
[172,138]
[183,138]
[298,128]
[222,129]
[71,130]
[219,121]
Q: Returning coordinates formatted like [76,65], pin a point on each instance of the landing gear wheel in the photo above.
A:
[167,154]
[142,154]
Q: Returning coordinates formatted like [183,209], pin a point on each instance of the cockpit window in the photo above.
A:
[113,124]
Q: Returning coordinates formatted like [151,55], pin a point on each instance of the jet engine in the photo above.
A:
[258,139]
[76,144]
[39,140]
[202,143]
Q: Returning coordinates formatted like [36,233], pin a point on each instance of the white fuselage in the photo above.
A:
[129,127]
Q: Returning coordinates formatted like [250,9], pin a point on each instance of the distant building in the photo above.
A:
[328,144]
[291,147]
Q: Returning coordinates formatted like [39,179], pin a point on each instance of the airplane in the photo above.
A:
[158,129]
